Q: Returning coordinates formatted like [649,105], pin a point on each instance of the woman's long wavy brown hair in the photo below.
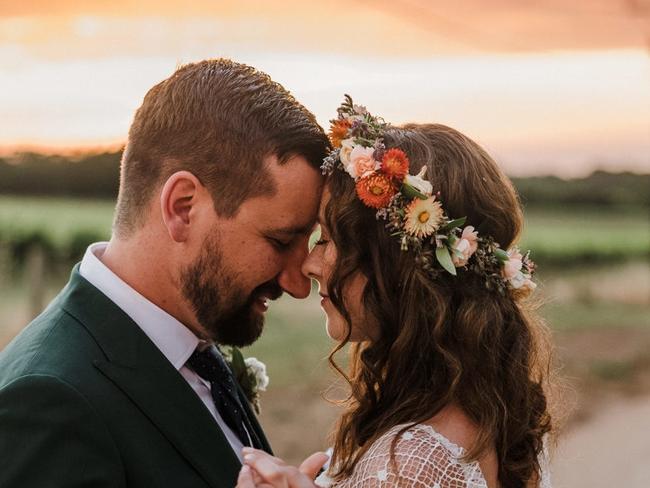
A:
[444,341]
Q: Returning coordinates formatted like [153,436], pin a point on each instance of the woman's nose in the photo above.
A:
[312,265]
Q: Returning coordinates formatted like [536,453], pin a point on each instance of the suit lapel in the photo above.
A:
[140,370]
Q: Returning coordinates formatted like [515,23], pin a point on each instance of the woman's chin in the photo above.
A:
[337,328]
[332,331]
[337,331]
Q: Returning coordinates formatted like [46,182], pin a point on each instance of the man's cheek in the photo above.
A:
[261,271]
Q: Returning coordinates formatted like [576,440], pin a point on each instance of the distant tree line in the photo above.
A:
[97,176]
[88,176]
[599,188]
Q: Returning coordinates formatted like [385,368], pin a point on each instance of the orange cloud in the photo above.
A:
[409,27]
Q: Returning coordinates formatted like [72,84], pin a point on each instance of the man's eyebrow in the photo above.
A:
[293,230]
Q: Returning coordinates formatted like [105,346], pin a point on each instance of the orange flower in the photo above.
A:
[339,131]
[375,190]
[395,164]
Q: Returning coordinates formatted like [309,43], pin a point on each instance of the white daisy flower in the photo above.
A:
[423,217]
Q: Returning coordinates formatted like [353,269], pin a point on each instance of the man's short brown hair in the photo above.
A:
[217,119]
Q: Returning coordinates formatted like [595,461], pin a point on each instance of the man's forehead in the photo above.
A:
[292,215]
[295,175]
[293,207]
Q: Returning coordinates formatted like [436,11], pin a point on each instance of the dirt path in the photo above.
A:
[611,449]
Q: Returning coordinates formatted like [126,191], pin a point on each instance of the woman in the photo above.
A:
[448,365]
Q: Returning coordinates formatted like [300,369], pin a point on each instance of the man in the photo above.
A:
[118,382]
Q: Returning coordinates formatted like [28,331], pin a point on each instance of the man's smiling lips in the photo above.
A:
[266,294]
[262,303]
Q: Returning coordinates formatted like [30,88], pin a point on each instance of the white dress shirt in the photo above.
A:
[175,341]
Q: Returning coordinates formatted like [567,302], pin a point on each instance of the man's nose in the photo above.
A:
[291,278]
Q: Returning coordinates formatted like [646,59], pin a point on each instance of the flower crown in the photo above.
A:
[414,214]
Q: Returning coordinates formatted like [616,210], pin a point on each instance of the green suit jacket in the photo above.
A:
[87,400]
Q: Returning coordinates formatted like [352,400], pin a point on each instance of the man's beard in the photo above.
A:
[226,312]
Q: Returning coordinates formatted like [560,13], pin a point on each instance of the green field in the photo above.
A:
[59,219]
[556,235]
[561,235]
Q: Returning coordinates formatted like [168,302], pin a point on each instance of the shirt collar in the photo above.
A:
[175,340]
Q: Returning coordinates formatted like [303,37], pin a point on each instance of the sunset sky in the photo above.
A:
[548,86]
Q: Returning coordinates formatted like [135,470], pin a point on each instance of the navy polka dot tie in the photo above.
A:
[210,365]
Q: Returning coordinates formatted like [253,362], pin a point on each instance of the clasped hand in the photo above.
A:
[261,470]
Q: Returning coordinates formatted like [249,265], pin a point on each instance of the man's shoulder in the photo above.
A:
[54,343]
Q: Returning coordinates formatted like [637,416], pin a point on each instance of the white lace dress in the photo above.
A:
[424,459]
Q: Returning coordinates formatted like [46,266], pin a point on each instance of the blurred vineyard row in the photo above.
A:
[63,227]
[59,204]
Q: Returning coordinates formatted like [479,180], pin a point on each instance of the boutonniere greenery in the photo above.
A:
[250,373]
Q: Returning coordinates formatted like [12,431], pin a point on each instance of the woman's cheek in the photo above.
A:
[329,256]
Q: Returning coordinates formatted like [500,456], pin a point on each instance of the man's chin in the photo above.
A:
[240,333]
[239,341]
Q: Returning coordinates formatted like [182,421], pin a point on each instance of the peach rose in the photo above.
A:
[512,267]
[466,245]
[362,161]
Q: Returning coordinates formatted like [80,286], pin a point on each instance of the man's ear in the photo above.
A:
[177,200]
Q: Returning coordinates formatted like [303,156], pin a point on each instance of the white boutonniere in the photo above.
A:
[250,373]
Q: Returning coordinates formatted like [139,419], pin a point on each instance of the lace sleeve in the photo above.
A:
[545,465]
[423,458]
